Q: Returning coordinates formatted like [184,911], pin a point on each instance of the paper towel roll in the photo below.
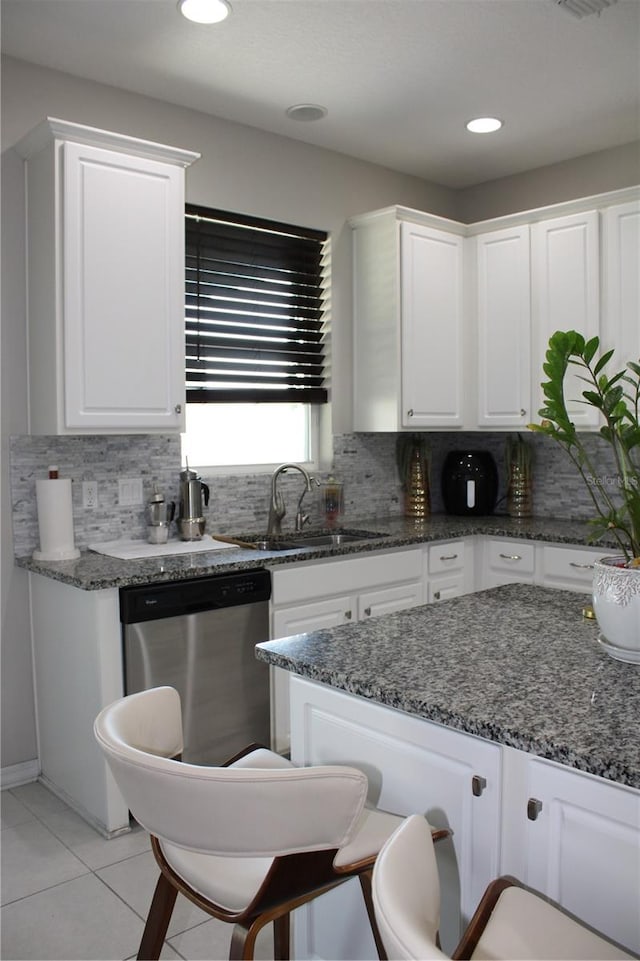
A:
[55,521]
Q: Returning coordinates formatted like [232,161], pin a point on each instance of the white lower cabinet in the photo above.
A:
[567,567]
[507,562]
[311,596]
[569,835]
[450,566]
[412,766]
[576,839]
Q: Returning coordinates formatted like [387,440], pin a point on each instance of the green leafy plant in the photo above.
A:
[617,398]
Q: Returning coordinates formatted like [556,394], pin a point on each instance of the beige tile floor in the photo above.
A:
[68,893]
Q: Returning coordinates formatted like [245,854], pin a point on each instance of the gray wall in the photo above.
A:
[241,169]
[606,170]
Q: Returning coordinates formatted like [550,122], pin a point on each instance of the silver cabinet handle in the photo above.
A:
[584,567]
[522,412]
[178,408]
[367,612]
[534,806]
[448,557]
[348,615]
[510,557]
[478,784]
[410,412]
[436,595]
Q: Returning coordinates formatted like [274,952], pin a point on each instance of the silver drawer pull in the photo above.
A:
[534,806]
[410,413]
[436,596]
[448,557]
[367,611]
[348,615]
[510,557]
[584,567]
[478,784]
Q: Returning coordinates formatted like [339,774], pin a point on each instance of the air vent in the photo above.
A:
[584,8]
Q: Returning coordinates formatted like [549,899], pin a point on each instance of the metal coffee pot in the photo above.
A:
[159,517]
[159,511]
[193,491]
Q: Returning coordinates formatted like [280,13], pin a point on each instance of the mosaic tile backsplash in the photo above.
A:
[365,463]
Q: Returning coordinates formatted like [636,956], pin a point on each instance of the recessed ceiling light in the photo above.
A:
[484,125]
[306,111]
[204,11]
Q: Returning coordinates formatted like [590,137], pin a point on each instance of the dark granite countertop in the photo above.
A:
[516,664]
[94,571]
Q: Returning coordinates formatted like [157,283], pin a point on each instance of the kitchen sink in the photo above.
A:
[330,540]
[320,539]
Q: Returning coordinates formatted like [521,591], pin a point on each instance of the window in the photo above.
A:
[255,320]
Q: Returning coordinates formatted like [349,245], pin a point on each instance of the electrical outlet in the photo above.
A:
[129,491]
[90,494]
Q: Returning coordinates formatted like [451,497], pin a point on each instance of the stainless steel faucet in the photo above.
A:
[277,510]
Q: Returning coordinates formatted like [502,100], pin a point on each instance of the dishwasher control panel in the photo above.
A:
[174,598]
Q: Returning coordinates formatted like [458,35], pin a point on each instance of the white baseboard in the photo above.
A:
[16,774]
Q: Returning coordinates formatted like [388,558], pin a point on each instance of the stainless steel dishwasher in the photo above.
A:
[199,635]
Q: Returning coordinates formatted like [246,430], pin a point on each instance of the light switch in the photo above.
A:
[129,491]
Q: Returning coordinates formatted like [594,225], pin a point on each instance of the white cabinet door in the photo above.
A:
[565,296]
[432,327]
[583,848]
[413,766]
[105,234]
[621,295]
[386,600]
[442,588]
[298,619]
[503,303]
[123,290]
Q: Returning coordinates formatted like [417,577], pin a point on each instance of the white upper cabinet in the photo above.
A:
[621,282]
[105,226]
[432,327]
[565,289]
[408,322]
[452,321]
[503,311]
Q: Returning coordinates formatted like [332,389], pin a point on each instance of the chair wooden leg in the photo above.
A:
[281,938]
[243,940]
[160,912]
[365,883]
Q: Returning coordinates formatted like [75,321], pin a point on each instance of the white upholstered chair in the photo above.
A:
[511,922]
[249,841]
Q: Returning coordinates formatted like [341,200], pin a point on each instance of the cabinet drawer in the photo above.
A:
[448,556]
[334,576]
[569,567]
[512,556]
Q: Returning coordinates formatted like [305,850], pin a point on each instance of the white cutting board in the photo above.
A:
[130,549]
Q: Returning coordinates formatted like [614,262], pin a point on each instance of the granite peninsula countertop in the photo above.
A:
[515,664]
[94,571]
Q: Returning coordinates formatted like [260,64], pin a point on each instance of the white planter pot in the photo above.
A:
[616,602]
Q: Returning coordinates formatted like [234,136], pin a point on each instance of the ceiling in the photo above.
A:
[399,78]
